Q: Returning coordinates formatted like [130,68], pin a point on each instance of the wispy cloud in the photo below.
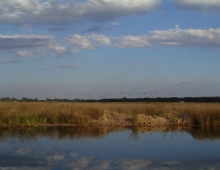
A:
[11,42]
[23,53]
[10,62]
[94,28]
[56,29]
[22,151]
[204,6]
[63,66]
[57,157]
[115,23]
[20,44]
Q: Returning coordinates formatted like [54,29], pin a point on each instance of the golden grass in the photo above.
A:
[81,114]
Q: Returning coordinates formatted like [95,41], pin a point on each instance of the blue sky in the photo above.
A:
[109,49]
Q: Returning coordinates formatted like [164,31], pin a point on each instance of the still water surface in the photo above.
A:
[131,148]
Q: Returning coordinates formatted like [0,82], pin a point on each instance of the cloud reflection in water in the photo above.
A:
[69,152]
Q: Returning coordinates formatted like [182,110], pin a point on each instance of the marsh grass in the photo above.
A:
[55,113]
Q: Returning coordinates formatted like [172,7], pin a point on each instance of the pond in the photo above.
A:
[116,148]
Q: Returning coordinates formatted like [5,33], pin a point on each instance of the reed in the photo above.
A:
[56,113]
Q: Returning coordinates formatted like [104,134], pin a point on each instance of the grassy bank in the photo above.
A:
[54,113]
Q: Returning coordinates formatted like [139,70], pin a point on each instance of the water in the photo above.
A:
[114,148]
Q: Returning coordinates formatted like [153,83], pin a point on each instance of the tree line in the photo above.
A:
[124,99]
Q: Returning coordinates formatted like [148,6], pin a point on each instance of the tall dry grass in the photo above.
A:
[55,113]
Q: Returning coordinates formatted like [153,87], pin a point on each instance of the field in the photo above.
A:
[92,114]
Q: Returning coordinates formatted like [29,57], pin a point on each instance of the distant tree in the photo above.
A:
[24,99]
[13,99]
[6,99]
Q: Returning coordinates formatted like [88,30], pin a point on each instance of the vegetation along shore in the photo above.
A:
[92,114]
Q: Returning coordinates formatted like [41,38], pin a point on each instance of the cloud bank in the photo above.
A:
[20,44]
[25,45]
[38,12]
[186,37]
[171,37]
[60,12]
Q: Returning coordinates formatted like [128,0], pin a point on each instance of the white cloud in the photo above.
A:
[186,37]
[101,39]
[23,53]
[58,48]
[115,23]
[19,12]
[133,41]
[95,40]
[80,41]
[205,6]
[89,41]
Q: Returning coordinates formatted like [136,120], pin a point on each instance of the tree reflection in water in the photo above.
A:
[78,132]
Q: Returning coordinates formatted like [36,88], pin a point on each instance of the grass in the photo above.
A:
[89,114]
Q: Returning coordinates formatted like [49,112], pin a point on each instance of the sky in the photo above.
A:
[94,49]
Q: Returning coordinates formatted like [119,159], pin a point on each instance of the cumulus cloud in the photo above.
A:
[93,41]
[80,41]
[171,37]
[133,41]
[29,45]
[101,39]
[89,41]
[186,37]
[205,6]
[19,12]
[58,48]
